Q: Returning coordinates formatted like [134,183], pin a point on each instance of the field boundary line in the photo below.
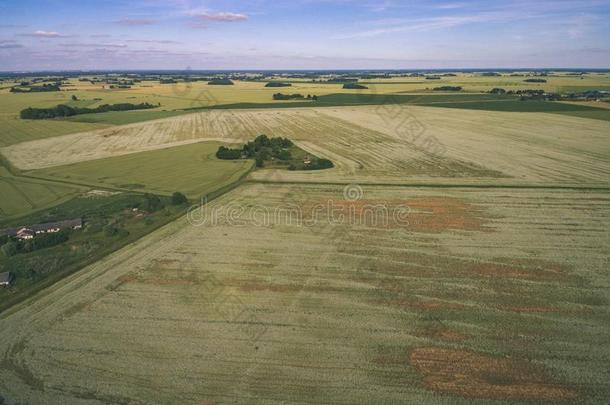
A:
[440,185]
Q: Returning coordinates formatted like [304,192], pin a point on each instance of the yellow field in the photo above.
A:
[372,144]
[199,94]
[262,309]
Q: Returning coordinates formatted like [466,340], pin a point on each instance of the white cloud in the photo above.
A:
[45,34]
[221,16]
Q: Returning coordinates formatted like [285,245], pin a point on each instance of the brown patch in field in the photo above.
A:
[440,214]
[474,375]
[422,215]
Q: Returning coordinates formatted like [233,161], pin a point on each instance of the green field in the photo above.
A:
[191,169]
[21,196]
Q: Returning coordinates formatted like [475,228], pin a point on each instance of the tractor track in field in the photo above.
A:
[441,185]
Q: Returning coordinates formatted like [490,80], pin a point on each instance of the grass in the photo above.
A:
[479,296]
[191,169]
[21,196]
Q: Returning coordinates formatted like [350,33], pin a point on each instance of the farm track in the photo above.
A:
[442,185]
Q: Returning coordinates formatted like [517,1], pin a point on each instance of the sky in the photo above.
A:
[302,34]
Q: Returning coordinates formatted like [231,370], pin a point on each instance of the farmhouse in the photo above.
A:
[50,227]
[6,279]
[25,234]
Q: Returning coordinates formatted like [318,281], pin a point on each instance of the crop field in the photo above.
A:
[468,296]
[456,253]
[174,98]
[384,144]
[20,195]
[191,169]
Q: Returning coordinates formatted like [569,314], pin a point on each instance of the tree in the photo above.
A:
[179,198]
[10,249]
[152,203]
[260,162]
[74,98]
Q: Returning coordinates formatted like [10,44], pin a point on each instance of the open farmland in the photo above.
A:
[191,169]
[175,98]
[473,296]
[21,195]
[384,144]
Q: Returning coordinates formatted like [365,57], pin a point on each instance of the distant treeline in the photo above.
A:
[63,110]
[278,84]
[530,92]
[220,82]
[354,86]
[343,80]
[448,88]
[37,89]
[280,96]
[535,80]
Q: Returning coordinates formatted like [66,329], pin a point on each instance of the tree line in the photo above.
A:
[63,110]
[448,88]
[280,96]
[37,89]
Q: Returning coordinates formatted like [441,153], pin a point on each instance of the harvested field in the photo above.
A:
[250,306]
[474,375]
[374,145]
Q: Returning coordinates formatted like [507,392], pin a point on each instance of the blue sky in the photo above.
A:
[302,34]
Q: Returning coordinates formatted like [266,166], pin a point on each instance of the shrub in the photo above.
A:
[179,198]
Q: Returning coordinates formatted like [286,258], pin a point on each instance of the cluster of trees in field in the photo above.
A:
[535,80]
[448,88]
[221,82]
[262,148]
[280,96]
[354,86]
[433,78]
[37,89]
[278,84]
[63,110]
